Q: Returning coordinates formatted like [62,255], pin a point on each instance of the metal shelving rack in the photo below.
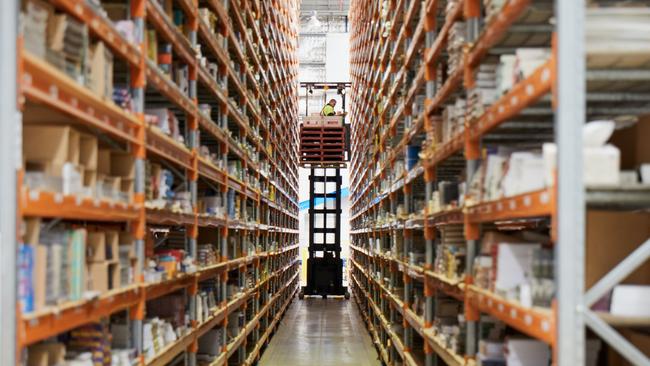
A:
[247,74]
[388,74]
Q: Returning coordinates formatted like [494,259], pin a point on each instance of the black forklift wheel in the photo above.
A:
[301,295]
[347,295]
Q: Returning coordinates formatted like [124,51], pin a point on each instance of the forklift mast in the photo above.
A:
[324,150]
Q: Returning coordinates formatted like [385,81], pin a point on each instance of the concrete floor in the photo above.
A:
[321,332]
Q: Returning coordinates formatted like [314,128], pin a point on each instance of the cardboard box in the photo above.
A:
[633,144]
[101,73]
[88,152]
[127,241]
[123,166]
[127,186]
[56,32]
[32,230]
[114,281]
[40,276]
[98,277]
[104,161]
[89,179]
[112,246]
[52,145]
[611,236]
[46,354]
[318,120]
[333,121]
[96,244]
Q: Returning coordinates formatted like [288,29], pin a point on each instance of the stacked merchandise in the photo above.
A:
[160,52]
[123,98]
[60,263]
[233,205]
[515,68]
[505,174]
[127,260]
[212,206]
[492,8]
[34,23]
[416,256]
[167,264]
[164,120]
[157,334]
[210,345]
[104,262]
[453,120]
[63,159]
[387,25]
[419,302]
[212,157]
[100,71]
[233,289]
[449,325]
[250,278]
[206,255]
[160,191]
[51,266]
[615,32]
[67,44]
[205,303]
[455,46]
[490,346]
[64,42]
[450,254]
[89,345]
[448,196]
[126,28]
[516,267]
[235,169]
[236,322]
[484,94]
[601,160]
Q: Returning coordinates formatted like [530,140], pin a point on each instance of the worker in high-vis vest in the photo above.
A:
[328,109]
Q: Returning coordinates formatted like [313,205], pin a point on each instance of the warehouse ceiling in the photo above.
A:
[325,7]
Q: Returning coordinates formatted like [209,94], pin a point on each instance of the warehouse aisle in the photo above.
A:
[321,332]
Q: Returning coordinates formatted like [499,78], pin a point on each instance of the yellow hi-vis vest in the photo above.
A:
[328,110]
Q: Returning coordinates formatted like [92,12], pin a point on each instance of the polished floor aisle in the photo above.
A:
[321,332]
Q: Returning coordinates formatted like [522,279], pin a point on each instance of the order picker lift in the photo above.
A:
[324,147]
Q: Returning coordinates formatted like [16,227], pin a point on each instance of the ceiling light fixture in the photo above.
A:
[313,21]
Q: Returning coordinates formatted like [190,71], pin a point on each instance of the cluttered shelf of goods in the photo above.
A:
[456,196]
[158,198]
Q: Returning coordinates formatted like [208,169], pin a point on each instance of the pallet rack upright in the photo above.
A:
[9,122]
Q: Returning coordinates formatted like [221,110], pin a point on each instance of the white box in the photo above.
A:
[631,300]
[527,352]
[525,174]
[601,165]
[514,265]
